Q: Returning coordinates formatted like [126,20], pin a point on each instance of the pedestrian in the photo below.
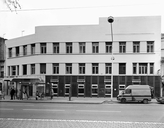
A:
[37,95]
[52,93]
[12,93]
[20,95]
[26,94]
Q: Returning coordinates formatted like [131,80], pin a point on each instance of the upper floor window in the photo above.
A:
[69,47]
[136,47]
[42,68]
[108,47]
[122,47]
[55,47]
[122,68]
[24,69]
[150,46]
[55,68]
[32,68]
[134,68]
[13,70]
[25,50]
[43,48]
[108,68]
[82,47]
[32,49]
[95,68]
[95,47]
[68,68]
[82,68]
[142,68]
[151,68]
[10,52]
[17,51]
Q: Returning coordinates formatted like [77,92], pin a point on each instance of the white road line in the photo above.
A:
[55,110]
[6,109]
[95,111]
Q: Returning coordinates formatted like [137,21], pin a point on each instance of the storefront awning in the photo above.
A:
[7,79]
[26,79]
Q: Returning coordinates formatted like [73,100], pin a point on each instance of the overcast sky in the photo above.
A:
[71,12]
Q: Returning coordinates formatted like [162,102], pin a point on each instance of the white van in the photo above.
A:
[140,93]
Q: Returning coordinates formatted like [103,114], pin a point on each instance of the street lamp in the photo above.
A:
[111,20]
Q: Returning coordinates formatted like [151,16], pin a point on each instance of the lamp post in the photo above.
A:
[111,20]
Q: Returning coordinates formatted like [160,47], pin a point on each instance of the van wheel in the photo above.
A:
[145,101]
[123,100]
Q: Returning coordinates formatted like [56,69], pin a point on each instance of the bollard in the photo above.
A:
[70,93]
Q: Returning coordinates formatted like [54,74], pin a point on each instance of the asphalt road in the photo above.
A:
[131,112]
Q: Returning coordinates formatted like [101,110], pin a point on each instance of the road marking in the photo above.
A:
[6,109]
[55,110]
[95,111]
[81,121]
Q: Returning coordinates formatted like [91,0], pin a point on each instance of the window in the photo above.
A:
[108,68]
[24,69]
[142,68]
[95,68]
[134,68]
[81,68]
[17,51]
[82,47]
[150,46]
[32,49]
[43,68]
[128,91]
[122,68]
[108,47]
[18,70]
[151,68]
[69,47]
[55,47]
[95,47]
[68,68]
[25,50]
[9,71]
[122,47]
[13,70]
[55,68]
[10,52]
[136,47]
[43,48]
[32,68]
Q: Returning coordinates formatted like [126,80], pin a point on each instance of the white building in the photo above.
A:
[80,55]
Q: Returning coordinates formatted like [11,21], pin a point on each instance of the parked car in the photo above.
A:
[160,100]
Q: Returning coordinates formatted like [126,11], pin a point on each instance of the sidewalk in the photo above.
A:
[74,100]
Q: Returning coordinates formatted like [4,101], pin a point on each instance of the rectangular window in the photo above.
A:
[68,68]
[25,50]
[55,68]
[82,47]
[82,68]
[24,69]
[42,68]
[32,49]
[136,47]
[9,71]
[142,68]
[69,47]
[17,51]
[151,68]
[13,70]
[150,46]
[43,48]
[10,52]
[122,47]
[18,70]
[95,47]
[108,47]
[32,68]
[108,68]
[134,68]
[55,47]
[122,68]
[95,68]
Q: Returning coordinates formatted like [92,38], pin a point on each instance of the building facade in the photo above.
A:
[83,57]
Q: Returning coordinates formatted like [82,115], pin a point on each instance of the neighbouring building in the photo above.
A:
[80,56]
[162,62]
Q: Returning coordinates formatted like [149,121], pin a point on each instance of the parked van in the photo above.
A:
[139,93]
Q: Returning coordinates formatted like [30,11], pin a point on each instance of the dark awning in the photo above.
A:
[7,79]
[26,79]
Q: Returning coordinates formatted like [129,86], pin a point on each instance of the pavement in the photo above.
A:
[72,100]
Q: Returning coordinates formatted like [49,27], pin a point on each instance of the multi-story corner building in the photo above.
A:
[82,56]
[2,60]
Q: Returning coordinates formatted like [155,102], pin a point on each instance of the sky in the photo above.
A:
[34,13]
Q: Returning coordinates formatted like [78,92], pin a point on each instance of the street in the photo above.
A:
[81,114]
